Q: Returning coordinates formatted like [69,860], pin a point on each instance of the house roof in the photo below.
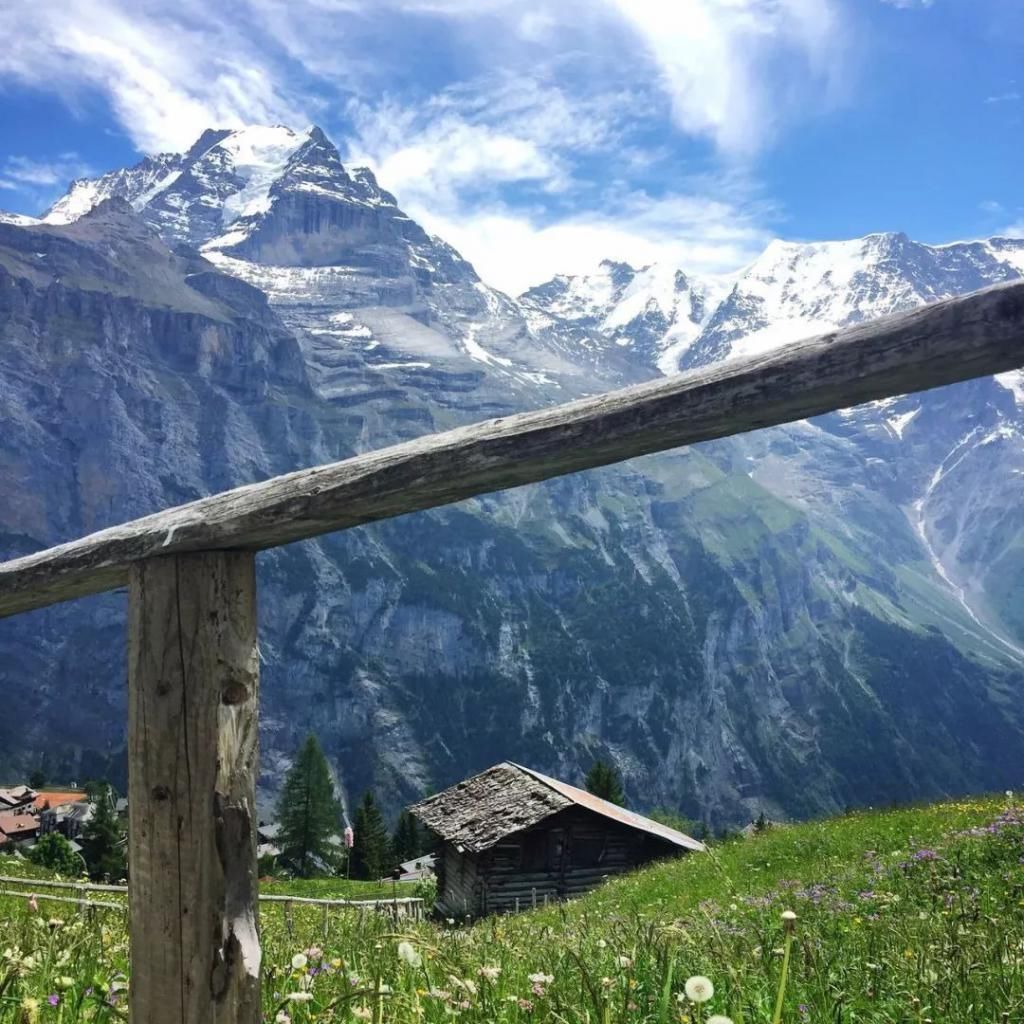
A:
[15,825]
[479,812]
[16,795]
[53,797]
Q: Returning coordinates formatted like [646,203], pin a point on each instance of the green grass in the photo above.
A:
[903,915]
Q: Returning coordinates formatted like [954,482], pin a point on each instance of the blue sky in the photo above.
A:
[543,136]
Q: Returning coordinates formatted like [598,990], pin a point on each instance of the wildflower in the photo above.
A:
[362,1013]
[699,989]
[64,982]
[53,999]
[282,1018]
[315,953]
[601,944]
[719,1018]
[408,954]
[524,1004]
[299,962]
[54,923]
[33,904]
[607,982]
[300,997]
[624,962]
[489,973]
[540,978]
[30,1010]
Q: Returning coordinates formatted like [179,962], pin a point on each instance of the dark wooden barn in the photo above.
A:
[510,837]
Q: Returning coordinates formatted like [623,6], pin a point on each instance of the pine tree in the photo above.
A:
[371,854]
[54,852]
[101,839]
[308,812]
[408,842]
[603,781]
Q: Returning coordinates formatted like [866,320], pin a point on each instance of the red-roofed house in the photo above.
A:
[19,827]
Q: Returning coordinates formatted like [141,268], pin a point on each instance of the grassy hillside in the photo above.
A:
[904,915]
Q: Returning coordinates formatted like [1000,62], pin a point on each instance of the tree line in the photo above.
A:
[311,836]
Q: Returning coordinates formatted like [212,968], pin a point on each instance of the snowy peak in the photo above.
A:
[654,312]
[226,174]
[794,290]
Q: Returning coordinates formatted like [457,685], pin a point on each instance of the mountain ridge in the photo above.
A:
[757,623]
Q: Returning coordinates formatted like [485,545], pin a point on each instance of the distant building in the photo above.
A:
[511,835]
[415,870]
[47,798]
[16,798]
[68,819]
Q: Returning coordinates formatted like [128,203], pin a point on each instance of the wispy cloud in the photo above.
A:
[909,4]
[37,182]
[1004,97]
[534,140]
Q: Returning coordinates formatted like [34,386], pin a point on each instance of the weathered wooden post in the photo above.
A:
[193,697]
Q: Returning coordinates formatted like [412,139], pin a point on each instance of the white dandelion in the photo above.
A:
[699,989]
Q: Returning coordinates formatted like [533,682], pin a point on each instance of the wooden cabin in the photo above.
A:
[511,837]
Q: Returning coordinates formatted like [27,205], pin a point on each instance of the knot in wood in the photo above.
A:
[161,793]
[235,692]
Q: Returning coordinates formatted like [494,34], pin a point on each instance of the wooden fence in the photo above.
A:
[193,666]
[398,907]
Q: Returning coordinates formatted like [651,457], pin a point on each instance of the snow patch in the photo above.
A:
[259,155]
[1013,381]
[897,424]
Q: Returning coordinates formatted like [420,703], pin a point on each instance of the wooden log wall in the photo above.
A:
[510,875]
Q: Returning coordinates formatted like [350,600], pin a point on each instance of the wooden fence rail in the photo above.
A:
[193,666]
[62,899]
[412,905]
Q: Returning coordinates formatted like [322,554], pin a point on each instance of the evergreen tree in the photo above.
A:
[101,839]
[308,812]
[408,841]
[603,781]
[37,779]
[54,852]
[371,854]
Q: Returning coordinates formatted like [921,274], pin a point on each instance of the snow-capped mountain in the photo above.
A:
[670,321]
[654,313]
[354,276]
[795,290]
[794,620]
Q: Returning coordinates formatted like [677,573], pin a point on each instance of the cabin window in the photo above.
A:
[588,852]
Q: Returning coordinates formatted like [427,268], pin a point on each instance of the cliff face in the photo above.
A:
[794,621]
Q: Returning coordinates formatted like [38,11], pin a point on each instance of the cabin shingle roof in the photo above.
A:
[479,812]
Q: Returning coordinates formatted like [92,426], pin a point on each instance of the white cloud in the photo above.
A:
[536,151]
[1014,230]
[35,183]
[23,170]
[1004,97]
[730,67]
[513,249]
[167,72]
[909,4]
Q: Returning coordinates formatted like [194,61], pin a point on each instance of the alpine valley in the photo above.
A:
[792,621]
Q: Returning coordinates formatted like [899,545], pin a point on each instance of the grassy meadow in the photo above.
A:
[908,915]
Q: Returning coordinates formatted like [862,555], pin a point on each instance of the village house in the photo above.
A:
[19,828]
[69,819]
[510,837]
[16,798]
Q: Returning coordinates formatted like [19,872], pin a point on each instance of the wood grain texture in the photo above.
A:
[193,699]
[949,341]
